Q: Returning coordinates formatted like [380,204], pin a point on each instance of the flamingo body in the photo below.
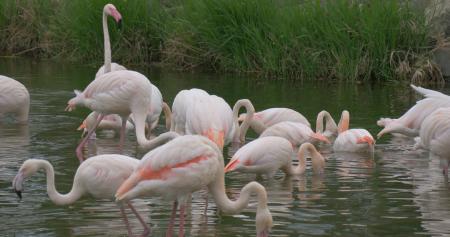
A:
[268,117]
[351,141]
[296,133]
[109,122]
[14,99]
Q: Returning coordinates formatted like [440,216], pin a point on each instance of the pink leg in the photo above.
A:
[172,219]
[125,219]
[146,228]
[206,204]
[181,228]
[80,146]
[122,133]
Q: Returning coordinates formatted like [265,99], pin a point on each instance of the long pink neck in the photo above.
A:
[242,130]
[330,124]
[106,43]
[57,198]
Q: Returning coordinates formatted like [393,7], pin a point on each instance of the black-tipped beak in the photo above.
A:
[19,194]
[119,24]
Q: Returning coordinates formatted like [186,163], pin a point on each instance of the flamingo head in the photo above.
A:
[264,222]
[28,168]
[111,10]
[320,137]
[366,139]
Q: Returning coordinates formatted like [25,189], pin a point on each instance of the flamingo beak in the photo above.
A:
[231,166]
[82,125]
[320,137]
[17,184]
[117,17]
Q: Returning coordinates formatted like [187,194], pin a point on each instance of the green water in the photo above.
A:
[400,192]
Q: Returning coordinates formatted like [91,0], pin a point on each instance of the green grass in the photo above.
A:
[342,39]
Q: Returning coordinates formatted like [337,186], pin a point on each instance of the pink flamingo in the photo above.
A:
[266,155]
[352,140]
[435,136]
[184,165]
[109,10]
[296,133]
[14,99]
[100,177]
[118,92]
[263,119]
[409,123]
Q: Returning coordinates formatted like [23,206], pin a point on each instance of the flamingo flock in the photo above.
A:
[189,156]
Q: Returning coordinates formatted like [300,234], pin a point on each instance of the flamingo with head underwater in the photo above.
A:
[266,155]
[352,140]
[100,177]
[187,164]
[296,133]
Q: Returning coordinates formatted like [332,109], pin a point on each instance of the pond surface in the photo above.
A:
[398,192]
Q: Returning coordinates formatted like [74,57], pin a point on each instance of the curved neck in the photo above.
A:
[167,114]
[217,189]
[344,122]
[106,44]
[257,126]
[250,110]
[317,160]
[53,194]
[330,124]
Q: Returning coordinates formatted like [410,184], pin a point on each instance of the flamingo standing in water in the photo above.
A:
[266,155]
[263,119]
[194,111]
[296,133]
[184,165]
[118,92]
[14,99]
[100,177]
[352,140]
[435,136]
[409,123]
[109,10]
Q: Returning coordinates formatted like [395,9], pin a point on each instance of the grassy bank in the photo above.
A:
[344,40]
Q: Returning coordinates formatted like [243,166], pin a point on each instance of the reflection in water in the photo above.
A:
[397,192]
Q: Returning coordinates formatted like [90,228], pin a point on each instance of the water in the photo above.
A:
[398,192]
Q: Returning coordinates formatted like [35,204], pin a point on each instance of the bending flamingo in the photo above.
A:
[352,140]
[184,165]
[100,177]
[263,119]
[296,133]
[109,10]
[118,92]
[14,99]
[330,129]
[435,136]
[266,155]
[409,123]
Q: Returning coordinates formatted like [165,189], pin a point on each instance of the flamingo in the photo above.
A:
[194,111]
[352,140]
[435,136]
[109,10]
[263,119]
[409,123]
[296,133]
[14,99]
[330,129]
[109,122]
[267,155]
[100,177]
[118,92]
[184,165]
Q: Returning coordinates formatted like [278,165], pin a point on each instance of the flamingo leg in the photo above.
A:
[146,228]
[125,219]
[122,133]
[181,228]
[172,219]
[80,146]
[206,203]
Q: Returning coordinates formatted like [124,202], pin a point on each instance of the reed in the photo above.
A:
[341,39]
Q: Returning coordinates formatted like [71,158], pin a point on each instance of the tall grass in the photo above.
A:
[340,39]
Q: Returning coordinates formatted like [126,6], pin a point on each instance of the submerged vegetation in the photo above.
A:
[342,39]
